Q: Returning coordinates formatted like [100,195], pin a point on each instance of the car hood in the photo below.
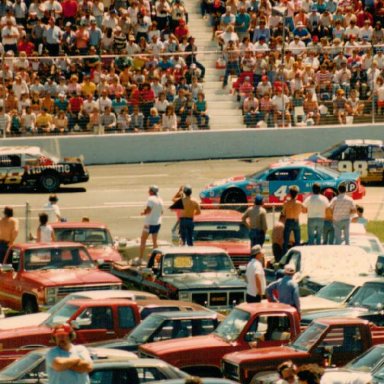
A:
[313,303]
[342,312]
[104,252]
[20,321]
[17,336]
[191,345]
[263,354]
[233,248]
[205,280]
[342,375]
[75,276]
[124,343]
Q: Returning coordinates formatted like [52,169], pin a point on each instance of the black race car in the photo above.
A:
[32,167]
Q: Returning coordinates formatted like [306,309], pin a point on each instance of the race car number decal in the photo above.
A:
[282,192]
[11,176]
[355,166]
[351,186]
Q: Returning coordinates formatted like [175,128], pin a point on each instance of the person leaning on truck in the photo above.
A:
[9,229]
[67,363]
[255,276]
[255,219]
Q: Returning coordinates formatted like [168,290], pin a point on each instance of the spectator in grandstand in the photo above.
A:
[169,120]
[200,111]
[339,106]
[281,106]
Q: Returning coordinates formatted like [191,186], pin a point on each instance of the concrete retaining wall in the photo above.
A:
[195,145]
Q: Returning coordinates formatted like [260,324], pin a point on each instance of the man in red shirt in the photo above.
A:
[74,108]
[70,9]
[25,45]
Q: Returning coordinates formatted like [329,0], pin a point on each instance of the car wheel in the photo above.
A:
[49,182]
[30,305]
[234,196]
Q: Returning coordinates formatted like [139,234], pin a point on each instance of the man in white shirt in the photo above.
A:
[52,209]
[315,206]
[152,212]
[10,36]
[255,276]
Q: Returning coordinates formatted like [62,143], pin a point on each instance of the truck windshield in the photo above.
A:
[15,370]
[143,332]
[61,316]
[335,291]
[88,236]
[370,296]
[233,325]
[59,257]
[220,231]
[309,337]
[197,263]
[368,360]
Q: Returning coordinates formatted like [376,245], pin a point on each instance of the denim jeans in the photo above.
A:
[232,67]
[315,230]
[341,226]
[186,230]
[328,232]
[291,225]
[256,236]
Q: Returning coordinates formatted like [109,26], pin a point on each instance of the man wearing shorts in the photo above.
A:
[152,222]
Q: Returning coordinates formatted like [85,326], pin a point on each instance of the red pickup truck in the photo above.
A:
[36,275]
[93,320]
[247,326]
[95,236]
[328,341]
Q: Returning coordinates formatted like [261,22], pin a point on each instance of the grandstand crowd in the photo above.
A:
[98,66]
[331,63]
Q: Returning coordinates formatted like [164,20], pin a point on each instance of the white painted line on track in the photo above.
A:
[129,176]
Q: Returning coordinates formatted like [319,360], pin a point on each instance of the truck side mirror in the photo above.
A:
[6,268]
[78,323]
[253,336]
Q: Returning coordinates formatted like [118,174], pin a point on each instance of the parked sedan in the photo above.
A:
[123,369]
[274,182]
[204,380]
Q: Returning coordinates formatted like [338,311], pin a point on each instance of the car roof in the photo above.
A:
[189,306]
[78,224]
[320,249]
[99,303]
[341,320]
[205,380]
[288,163]
[122,362]
[112,294]
[174,250]
[56,244]
[31,150]
[218,215]
[360,142]
[267,306]
[185,315]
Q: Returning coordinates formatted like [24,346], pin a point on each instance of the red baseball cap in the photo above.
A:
[62,329]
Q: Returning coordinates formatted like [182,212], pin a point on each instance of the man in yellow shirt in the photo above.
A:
[190,208]
[44,121]
[88,87]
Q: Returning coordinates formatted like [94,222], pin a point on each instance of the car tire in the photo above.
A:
[234,196]
[49,182]
[30,305]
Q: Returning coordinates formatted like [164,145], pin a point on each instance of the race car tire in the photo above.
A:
[234,196]
[30,305]
[49,182]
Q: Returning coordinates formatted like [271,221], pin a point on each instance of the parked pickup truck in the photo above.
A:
[330,341]
[36,275]
[95,236]
[93,320]
[204,275]
[247,326]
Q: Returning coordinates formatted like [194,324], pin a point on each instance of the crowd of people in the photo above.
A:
[98,66]
[296,60]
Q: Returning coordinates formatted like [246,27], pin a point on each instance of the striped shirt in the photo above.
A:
[342,207]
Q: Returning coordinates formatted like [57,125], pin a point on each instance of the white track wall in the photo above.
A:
[195,145]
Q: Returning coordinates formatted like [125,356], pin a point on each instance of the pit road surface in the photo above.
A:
[116,194]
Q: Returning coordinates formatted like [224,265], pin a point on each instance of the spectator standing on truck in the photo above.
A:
[342,207]
[287,373]
[315,206]
[278,238]
[255,276]
[67,363]
[285,290]
[190,208]
[152,223]
[255,219]
[9,229]
[292,210]
[359,218]
[45,233]
[52,209]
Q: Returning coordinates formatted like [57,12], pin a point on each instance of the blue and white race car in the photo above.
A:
[364,156]
[274,182]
